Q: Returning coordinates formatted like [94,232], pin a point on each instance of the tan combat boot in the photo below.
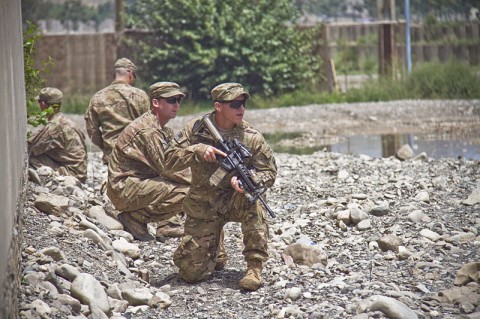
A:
[222,254]
[252,280]
[138,229]
[169,231]
[169,228]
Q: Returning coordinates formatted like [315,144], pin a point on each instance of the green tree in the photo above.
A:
[33,76]
[200,43]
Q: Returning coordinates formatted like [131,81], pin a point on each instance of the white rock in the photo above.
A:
[293,293]
[98,213]
[364,224]
[427,233]
[137,296]
[344,216]
[42,308]
[90,292]
[160,300]
[405,152]
[342,174]
[392,308]
[403,253]
[67,271]
[416,216]
[357,215]
[422,196]
[51,203]
[129,249]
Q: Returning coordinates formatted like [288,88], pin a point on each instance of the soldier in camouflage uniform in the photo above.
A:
[138,184]
[60,144]
[114,107]
[215,198]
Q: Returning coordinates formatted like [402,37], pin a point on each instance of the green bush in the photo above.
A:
[33,76]
[193,107]
[296,98]
[201,43]
[452,80]
[76,104]
[443,80]
[377,90]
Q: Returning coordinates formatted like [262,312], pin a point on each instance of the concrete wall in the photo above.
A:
[13,150]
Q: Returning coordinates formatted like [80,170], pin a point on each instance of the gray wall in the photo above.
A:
[12,146]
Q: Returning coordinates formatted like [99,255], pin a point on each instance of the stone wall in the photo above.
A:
[13,148]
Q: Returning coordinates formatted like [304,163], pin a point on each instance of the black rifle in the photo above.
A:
[234,161]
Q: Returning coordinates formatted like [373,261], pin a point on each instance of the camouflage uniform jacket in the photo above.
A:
[139,153]
[64,143]
[188,149]
[111,110]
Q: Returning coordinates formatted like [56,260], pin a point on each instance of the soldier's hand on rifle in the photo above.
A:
[235,184]
[210,154]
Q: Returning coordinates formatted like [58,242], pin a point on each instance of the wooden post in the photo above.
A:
[387,49]
[386,38]
[119,21]
[328,66]
[119,26]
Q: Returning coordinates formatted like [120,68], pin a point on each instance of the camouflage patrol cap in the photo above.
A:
[165,90]
[125,63]
[50,95]
[228,92]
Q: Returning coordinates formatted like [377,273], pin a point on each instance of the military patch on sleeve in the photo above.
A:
[180,137]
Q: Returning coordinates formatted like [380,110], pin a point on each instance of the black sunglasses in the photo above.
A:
[173,100]
[236,104]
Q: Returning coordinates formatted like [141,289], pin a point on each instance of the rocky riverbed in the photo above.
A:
[354,237]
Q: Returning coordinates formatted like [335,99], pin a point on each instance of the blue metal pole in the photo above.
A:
[408,45]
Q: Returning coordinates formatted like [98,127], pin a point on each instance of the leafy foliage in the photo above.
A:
[201,43]
[444,80]
[33,77]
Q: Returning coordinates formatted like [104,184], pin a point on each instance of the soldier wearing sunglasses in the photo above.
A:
[138,184]
[111,109]
[215,197]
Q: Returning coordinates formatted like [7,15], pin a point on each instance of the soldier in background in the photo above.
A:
[114,107]
[138,184]
[60,144]
[216,198]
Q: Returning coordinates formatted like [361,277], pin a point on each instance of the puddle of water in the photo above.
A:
[383,145]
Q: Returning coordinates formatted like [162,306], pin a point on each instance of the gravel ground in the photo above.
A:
[387,237]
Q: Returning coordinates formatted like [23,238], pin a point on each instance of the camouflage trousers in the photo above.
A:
[202,243]
[149,200]
[44,160]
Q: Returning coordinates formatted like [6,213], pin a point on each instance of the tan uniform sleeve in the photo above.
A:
[142,105]
[93,125]
[263,162]
[48,139]
[183,152]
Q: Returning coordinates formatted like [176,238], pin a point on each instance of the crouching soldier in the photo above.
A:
[138,185]
[215,198]
[60,144]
